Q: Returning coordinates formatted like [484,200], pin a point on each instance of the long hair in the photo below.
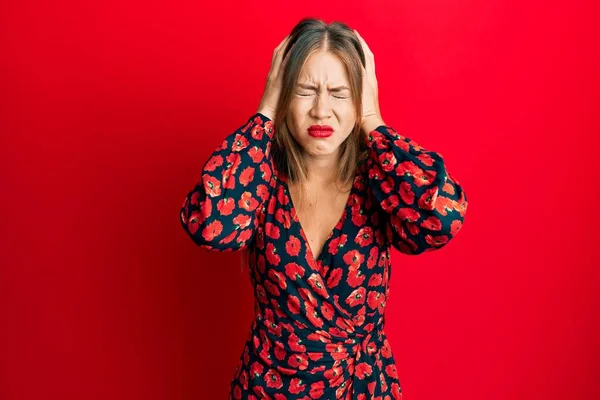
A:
[309,36]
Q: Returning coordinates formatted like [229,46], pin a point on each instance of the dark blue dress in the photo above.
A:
[318,331]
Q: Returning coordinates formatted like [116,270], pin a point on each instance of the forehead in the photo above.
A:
[323,68]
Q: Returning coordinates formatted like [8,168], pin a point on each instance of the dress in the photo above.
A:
[318,331]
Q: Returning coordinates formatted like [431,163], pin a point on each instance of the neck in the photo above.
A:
[322,170]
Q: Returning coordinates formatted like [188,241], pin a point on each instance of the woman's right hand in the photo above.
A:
[268,102]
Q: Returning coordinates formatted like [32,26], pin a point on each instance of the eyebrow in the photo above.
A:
[334,89]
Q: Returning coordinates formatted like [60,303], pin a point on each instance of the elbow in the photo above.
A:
[432,233]
[211,235]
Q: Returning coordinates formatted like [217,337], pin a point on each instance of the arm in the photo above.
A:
[422,205]
[220,212]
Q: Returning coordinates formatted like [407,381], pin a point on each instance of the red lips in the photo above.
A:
[320,130]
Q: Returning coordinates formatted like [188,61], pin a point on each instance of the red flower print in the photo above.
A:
[257,132]
[307,296]
[278,310]
[260,392]
[294,271]
[272,257]
[355,277]
[293,304]
[448,188]
[292,246]
[327,311]
[375,299]
[313,315]
[226,206]
[373,257]
[427,199]
[436,241]
[334,278]
[244,236]
[262,191]
[278,278]
[316,390]
[212,230]
[239,143]
[375,280]
[390,204]
[337,243]
[423,177]
[212,186]
[298,360]
[296,386]
[391,371]
[247,176]
[271,288]
[400,142]
[353,258]
[247,202]
[256,369]
[265,170]
[356,297]
[256,154]
[213,163]
[409,214]
[425,159]
[271,230]
[432,223]
[364,236]
[387,161]
[455,227]
[283,218]
[396,391]
[294,343]
[406,193]
[237,392]
[362,370]
[261,295]
[408,169]
[315,281]
[242,221]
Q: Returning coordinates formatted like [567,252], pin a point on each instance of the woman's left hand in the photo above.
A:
[371,116]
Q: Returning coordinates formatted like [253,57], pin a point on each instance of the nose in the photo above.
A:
[321,109]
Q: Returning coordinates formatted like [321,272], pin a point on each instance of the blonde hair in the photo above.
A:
[309,36]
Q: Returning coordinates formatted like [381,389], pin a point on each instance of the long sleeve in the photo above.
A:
[422,205]
[220,212]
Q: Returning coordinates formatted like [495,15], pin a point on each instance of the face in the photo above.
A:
[321,97]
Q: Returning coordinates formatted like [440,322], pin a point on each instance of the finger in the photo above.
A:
[370,58]
[278,54]
[283,43]
[277,50]
[366,48]
[287,56]
[279,63]
[363,42]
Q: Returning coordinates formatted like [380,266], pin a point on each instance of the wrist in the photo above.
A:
[267,113]
[369,124]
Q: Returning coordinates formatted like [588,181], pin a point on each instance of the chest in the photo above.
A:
[318,212]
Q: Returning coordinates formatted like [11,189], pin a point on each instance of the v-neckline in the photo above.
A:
[341,219]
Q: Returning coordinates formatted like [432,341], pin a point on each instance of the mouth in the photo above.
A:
[320,131]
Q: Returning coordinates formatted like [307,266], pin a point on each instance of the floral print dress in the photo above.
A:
[318,331]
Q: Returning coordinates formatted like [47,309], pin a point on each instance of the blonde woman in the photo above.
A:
[316,188]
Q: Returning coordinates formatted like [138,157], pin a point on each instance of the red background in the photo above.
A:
[109,110]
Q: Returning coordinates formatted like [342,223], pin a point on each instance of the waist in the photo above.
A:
[333,343]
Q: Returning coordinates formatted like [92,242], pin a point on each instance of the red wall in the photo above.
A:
[110,109]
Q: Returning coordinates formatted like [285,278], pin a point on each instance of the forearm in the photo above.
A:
[370,124]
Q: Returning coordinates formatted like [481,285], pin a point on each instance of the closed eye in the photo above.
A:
[310,94]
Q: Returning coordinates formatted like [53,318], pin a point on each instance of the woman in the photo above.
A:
[318,188]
